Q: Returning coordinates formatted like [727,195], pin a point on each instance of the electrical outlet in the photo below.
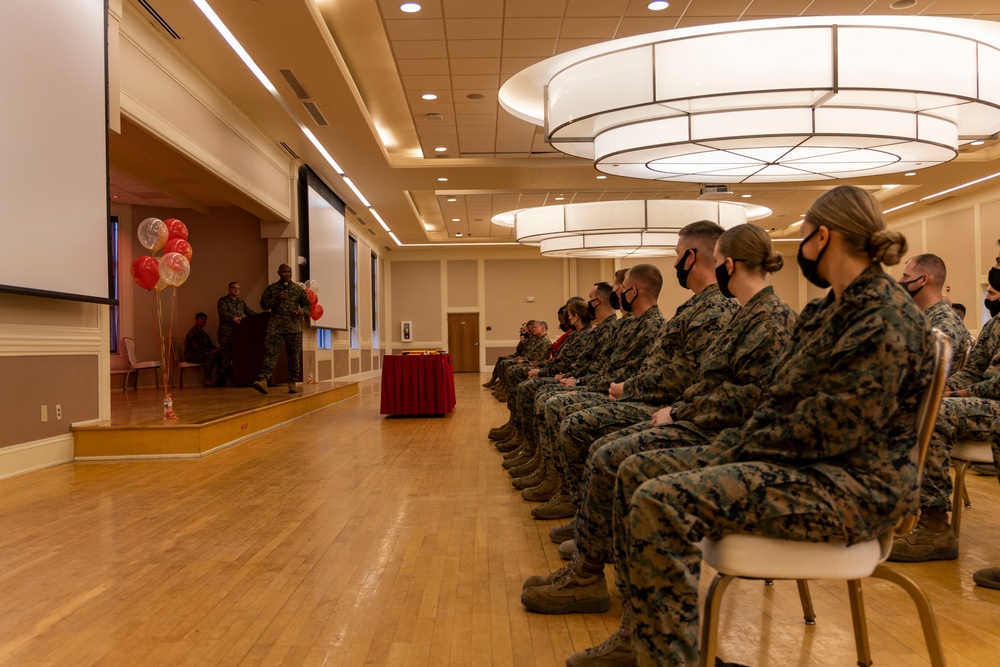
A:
[45,413]
[58,412]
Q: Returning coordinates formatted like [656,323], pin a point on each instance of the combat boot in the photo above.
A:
[261,386]
[492,383]
[987,577]
[559,506]
[615,651]
[291,388]
[521,450]
[567,549]
[530,479]
[521,455]
[501,432]
[511,443]
[560,534]
[570,593]
[932,539]
[527,468]
[547,489]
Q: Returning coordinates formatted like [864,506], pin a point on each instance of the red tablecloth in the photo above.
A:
[417,384]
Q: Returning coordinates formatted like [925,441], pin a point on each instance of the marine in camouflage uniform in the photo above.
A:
[666,373]
[733,375]
[968,417]
[536,351]
[199,349]
[943,318]
[229,307]
[829,456]
[288,304]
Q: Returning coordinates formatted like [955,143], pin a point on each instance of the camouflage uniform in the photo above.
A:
[947,321]
[828,456]
[503,361]
[536,350]
[636,337]
[575,351]
[284,325]
[963,418]
[673,365]
[199,349]
[733,374]
[229,307]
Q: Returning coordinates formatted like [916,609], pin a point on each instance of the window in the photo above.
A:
[375,342]
[324,341]
[115,311]
[352,274]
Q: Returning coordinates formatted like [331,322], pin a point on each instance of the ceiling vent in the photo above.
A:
[290,151]
[294,84]
[716,192]
[159,19]
[435,116]
[316,114]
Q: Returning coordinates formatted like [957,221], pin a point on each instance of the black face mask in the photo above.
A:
[525,335]
[626,304]
[565,327]
[810,267]
[906,285]
[993,307]
[994,278]
[592,309]
[682,273]
[722,278]
[614,301]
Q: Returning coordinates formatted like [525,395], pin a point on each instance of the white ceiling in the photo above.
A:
[364,64]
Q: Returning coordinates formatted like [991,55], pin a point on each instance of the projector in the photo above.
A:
[715,192]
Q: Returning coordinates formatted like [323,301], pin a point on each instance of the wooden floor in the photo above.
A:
[348,538]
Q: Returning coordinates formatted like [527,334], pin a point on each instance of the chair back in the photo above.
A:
[178,355]
[927,414]
[130,350]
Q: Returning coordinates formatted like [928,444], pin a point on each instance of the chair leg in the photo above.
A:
[710,619]
[127,374]
[860,624]
[808,613]
[961,467]
[923,604]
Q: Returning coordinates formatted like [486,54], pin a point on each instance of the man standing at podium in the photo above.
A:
[287,303]
[232,309]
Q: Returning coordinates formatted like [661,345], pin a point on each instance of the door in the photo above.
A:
[463,341]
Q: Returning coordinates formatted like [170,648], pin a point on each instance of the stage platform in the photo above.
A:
[208,418]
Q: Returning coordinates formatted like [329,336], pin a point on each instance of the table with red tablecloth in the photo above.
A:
[419,384]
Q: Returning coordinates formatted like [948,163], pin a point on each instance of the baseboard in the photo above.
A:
[31,456]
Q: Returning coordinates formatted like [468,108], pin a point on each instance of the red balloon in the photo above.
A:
[180,246]
[146,272]
[311,295]
[316,312]
[176,229]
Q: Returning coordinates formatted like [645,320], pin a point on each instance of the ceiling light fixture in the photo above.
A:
[864,95]
[428,96]
[896,208]
[977,142]
[442,179]
[746,196]
[657,5]
[452,199]
[959,187]
[440,149]
[621,228]
[410,7]
[910,173]
[601,177]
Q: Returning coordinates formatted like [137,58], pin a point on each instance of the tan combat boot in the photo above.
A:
[932,539]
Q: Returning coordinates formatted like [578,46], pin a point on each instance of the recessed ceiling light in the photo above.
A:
[475,96]
[440,149]
[458,234]
[746,196]
[442,179]
[428,96]
[657,5]
[977,142]
[410,7]
[456,220]
[910,173]
[560,198]
[902,4]
[601,177]
[452,199]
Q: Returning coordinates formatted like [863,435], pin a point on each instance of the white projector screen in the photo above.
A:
[54,150]
[323,242]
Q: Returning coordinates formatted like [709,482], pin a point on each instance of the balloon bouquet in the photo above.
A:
[154,274]
[315,310]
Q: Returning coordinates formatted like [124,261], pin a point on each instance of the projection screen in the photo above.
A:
[323,242]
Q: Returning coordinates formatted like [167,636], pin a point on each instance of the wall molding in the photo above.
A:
[31,456]
[18,340]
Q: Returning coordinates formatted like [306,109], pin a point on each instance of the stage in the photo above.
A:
[209,418]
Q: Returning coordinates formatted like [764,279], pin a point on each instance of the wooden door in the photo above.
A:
[463,341]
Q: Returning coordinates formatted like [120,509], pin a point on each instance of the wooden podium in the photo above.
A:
[248,352]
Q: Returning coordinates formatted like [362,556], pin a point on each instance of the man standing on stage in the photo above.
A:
[232,309]
[288,303]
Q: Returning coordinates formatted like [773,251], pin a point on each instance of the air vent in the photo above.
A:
[435,116]
[315,113]
[290,151]
[371,231]
[351,210]
[295,84]
[159,19]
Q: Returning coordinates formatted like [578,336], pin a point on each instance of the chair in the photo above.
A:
[963,455]
[180,363]
[755,557]
[136,365]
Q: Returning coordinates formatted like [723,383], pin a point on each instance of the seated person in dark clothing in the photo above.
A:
[199,349]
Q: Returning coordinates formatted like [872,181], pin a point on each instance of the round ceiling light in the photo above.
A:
[410,7]
[614,229]
[864,95]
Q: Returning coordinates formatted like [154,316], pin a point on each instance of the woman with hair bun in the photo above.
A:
[828,456]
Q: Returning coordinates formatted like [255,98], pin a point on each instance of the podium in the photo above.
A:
[248,352]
